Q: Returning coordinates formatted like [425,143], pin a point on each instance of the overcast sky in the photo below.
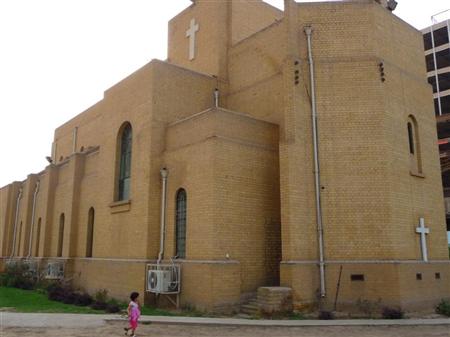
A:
[58,56]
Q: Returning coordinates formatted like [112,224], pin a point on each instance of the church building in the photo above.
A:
[292,149]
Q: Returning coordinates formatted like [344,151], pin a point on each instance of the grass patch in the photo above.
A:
[34,301]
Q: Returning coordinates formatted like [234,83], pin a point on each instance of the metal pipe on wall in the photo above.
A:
[308,32]
[164,173]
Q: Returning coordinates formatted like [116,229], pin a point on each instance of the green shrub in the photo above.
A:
[69,297]
[101,295]
[326,315]
[56,293]
[18,275]
[83,300]
[443,308]
[392,313]
[97,305]
[112,308]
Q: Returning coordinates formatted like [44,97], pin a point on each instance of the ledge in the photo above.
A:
[120,206]
[417,174]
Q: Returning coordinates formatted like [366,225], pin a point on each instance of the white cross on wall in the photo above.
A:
[190,33]
[423,231]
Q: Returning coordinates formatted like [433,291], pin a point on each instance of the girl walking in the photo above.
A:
[134,311]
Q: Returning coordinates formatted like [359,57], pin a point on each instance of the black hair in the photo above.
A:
[134,295]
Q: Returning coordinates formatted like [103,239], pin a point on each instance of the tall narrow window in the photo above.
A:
[125,149]
[38,237]
[19,239]
[61,235]
[410,138]
[90,233]
[415,155]
[180,224]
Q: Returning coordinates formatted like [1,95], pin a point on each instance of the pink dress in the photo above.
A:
[135,313]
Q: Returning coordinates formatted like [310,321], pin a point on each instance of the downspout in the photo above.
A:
[15,223]
[164,174]
[32,219]
[308,31]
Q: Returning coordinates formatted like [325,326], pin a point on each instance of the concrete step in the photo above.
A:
[249,309]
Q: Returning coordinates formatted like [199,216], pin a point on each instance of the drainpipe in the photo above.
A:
[308,31]
[164,174]
[32,219]
[19,196]
[216,98]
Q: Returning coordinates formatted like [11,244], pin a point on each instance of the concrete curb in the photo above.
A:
[25,320]
[285,323]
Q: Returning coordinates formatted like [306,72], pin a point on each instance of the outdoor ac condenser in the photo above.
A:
[158,281]
[55,271]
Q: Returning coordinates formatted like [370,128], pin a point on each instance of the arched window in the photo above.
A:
[180,223]
[90,232]
[124,150]
[411,138]
[60,236]
[19,238]
[38,237]
[415,159]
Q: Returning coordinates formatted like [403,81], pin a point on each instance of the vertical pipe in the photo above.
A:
[308,31]
[436,76]
[216,98]
[32,219]
[19,196]
[164,174]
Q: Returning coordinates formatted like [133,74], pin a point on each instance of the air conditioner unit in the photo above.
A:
[32,267]
[158,281]
[55,270]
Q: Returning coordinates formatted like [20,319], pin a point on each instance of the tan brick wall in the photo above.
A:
[249,173]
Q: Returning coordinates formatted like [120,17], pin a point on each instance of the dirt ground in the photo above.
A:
[160,330]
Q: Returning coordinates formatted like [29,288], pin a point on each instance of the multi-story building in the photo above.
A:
[437,54]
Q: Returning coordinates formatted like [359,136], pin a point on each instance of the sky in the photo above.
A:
[57,57]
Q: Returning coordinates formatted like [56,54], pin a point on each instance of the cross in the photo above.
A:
[190,33]
[422,230]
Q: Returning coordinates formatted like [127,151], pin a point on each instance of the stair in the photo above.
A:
[250,308]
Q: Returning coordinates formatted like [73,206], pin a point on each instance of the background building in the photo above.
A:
[437,55]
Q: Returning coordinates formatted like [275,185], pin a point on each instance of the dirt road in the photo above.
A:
[160,330]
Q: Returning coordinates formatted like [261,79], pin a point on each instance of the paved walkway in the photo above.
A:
[8,319]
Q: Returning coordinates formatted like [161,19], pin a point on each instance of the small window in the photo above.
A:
[38,237]
[124,162]
[357,277]
[90,232]
[411,138]
[60,236]
[415,157]
[437,276]
[19,239]
[180,224]
[419,276]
